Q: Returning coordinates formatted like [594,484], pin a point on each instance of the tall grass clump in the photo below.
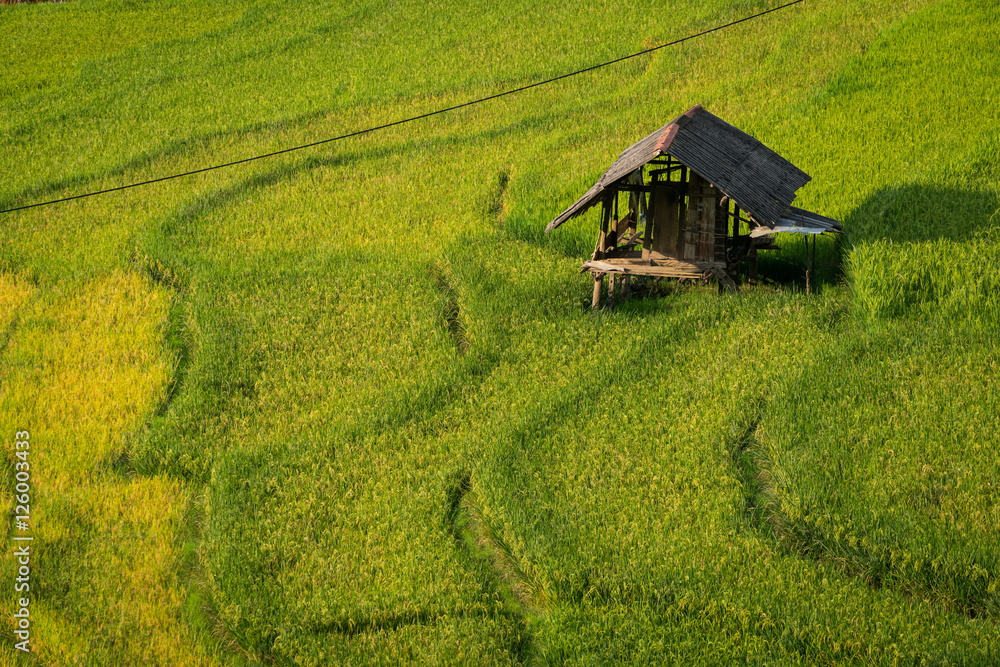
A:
[942,280]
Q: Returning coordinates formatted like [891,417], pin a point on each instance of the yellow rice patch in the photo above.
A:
[83,368]
[14,293]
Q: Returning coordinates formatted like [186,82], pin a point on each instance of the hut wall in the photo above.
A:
[666,211]
[700,232]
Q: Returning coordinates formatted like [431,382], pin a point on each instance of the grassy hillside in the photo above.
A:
[350,405]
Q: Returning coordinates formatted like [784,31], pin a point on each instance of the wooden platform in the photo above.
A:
[667,267]
[661,267]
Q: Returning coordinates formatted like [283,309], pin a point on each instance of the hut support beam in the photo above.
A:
[814,255]
[605,222]
[810,262]
[647,241]
[725,282]
[734,268]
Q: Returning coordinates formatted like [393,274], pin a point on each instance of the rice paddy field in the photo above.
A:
[350,405]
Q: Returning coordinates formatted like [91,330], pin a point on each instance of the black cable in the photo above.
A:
[407,120]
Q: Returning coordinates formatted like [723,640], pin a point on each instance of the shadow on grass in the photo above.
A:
[926,251]
[787,267]
[917,213]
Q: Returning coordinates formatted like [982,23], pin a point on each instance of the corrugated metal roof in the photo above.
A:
[762,182]
[799,221]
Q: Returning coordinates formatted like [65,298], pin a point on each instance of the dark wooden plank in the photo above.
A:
[602,241]
[721,225]
[647,242]
[725,281]
[665,227]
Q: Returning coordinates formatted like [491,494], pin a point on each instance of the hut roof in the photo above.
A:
[759,180]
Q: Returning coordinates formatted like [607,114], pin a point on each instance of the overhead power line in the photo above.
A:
[408,120]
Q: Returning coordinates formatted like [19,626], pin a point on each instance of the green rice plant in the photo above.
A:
[947,281]
[312,376]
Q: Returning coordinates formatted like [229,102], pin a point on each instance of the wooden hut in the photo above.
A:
[694,199]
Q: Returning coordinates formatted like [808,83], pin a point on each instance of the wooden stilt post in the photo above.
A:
[605,222]
[808,266]
[626,288]
[734,268]
[612,280]
[647,241]
[682,226]
[599,252]
[814,257]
